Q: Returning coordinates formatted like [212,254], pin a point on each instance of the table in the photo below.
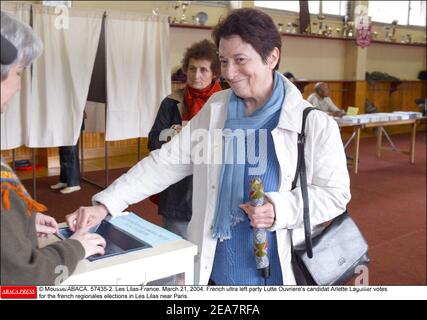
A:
[380,131]
[136,268]
[355,135]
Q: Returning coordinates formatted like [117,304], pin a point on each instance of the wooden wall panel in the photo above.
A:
[406,94]
[388,97]
[20,154]
[343,93]
[337,91]
[379,94]
[24,153]
[359,95]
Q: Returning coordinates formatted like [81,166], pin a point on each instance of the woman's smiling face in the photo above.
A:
[243,68]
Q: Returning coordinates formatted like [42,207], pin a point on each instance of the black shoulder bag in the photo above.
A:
[330,258]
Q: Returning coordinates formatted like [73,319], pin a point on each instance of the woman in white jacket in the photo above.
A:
[249,130]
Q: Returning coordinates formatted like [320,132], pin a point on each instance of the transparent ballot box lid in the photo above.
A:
[117,241]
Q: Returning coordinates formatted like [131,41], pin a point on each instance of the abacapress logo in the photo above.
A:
[18,292]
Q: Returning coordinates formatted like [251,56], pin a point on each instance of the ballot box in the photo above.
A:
[137,253]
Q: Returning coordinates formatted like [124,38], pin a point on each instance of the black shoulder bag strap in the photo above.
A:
[303,180]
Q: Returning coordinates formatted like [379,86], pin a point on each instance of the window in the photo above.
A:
[334,7]
[57,3]
[280,5]
[405,12]
[315,7]
[212,3]
[417,13]
[387,12]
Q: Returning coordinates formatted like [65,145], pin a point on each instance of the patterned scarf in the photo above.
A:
[10,182]
[195,98]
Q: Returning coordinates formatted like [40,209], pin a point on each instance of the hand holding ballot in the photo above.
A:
[45,225]
[86,217]
[93,243]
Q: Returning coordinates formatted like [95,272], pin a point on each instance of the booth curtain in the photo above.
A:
[138,72]
[61,76]
[48,112]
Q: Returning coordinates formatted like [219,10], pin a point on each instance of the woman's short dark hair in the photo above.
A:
[289,75]
[254,27]
[202,50]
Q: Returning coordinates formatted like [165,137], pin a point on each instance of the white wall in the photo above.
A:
[305,57]
[403,62]
[181,39]
[315,59]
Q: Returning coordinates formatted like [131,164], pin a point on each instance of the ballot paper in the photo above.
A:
[352,111]
[409,114]
[359,119]
[143,230]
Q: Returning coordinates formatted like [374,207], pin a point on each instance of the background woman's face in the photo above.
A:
[242,67]
[199,73]
[10,86]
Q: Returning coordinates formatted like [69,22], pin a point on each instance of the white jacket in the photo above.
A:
[327,176]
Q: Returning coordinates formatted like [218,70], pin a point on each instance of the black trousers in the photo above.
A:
[70,165]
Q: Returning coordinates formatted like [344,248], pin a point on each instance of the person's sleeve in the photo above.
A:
[313,101]
[331,105]
[160,169]
[22,261]
[327,178]
[162,122]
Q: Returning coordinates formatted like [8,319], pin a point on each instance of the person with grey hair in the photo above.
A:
[320,99]
[27,48]
[22,261]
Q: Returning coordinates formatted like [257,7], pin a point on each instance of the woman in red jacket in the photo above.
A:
[202,68]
